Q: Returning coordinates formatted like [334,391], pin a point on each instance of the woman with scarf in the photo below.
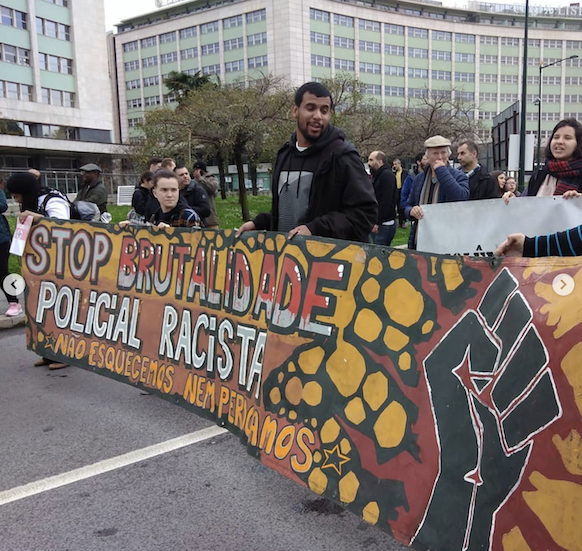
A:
[562,172]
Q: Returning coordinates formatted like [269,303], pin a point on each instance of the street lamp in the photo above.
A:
[539,102]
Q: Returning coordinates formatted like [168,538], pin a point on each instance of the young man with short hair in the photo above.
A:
[172,211]
[481,184]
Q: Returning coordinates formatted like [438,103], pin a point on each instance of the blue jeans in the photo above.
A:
[384,236]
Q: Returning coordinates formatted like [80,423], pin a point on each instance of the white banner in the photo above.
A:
[477,228]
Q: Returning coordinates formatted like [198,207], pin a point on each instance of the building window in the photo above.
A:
[417,92]
[394,70]
[13,18]
[344,65]
[464,77]
[12,54]
[486,115]
[132,123]
[441,35]
[133,84]
[507,79]
[151,100]
[53,29]
[573,98]
[389,28]
[441,55]
[13,90]
[55,64]
[464,58]
[373,68]
[440,75]
[343,20]
[231,22]
[488,40]
[130,46]
[170,57]
[366,46]
[208,28]
[168,37]
[58,97]
[189,32]
[413,72]
[261,15]
[488,59]
[397,91]
[533,43]
[342,42]
[487,78]
[505,41]
[169,98]
[255,39]
[151,61]
[553,44]
[320,38]
[374,89]
[134,103]
[465,96]
[552,81]
[488,96]
[189,53]
[317,60]
[233,66]
[574,44]
[368,25]
[509,60]
[131,65]
[418,52]
[63,3]
[390,49]
[149,42]
[151,81]
[211,69]
[465,38]
[417,32]
[318,15]
[574,81]
[508,97]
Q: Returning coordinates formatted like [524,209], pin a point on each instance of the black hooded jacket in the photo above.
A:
[342,203]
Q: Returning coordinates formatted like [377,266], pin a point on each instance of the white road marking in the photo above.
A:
[52,482]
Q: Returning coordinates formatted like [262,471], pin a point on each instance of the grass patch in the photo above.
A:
[228,211]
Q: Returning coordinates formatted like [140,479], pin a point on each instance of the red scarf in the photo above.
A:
[568,174]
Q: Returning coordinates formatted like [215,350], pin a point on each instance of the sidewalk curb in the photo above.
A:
[7,322]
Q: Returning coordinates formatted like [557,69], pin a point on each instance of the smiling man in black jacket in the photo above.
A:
[319,184]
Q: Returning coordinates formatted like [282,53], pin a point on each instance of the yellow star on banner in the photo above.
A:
[334,459]
[49,342]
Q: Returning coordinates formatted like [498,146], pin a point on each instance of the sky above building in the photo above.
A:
[117,10]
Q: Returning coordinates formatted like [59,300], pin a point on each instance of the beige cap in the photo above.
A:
[437,141]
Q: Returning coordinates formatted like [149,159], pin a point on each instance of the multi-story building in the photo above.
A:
[55,94]
[400,50]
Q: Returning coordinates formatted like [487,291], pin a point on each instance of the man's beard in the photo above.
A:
[373,171]
[309,137]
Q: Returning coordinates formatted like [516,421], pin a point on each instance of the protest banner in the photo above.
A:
[438,398]
[477,228]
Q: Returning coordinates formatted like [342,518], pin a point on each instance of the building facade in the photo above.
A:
[401,52]
[55,93]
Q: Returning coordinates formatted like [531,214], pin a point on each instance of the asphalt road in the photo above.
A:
[205,496]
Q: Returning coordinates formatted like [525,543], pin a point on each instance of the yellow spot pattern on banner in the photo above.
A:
[452,274]
[391,426]
[395,339]
[376,390]
[312,393]
[557,504]
[427,327]
[375,266]
[403,303]
[348,487]
[345,446]
[275,395]
[397,260]
[310,360]
[371,290]
[319,249]
[346,368]
[317,481]
[330,431]
[371,513]
[514,541]
[294,390]
[404,362]
[368,325]
[571,368]
[571,451]
[355,411]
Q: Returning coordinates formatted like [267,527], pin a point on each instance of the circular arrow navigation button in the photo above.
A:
[14,284]
[563,284]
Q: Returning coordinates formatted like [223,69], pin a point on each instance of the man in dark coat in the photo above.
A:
[384,182]
[192,192]
[481,184]
[93,190]
[319,184]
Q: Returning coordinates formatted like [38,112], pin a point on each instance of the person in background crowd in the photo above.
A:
[320,186]
[37,201]
[511,186]
[155,164]
[481,184]
[499,178]
[439,183]
[35,173]
[143,200]
[384,183]
[421,162]
[397,170]
[192,192]
[210,185]
[562,171]
[93,190]
[168,164]
[172,211]
[14,307]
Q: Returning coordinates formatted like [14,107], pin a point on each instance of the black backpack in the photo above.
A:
[80,210]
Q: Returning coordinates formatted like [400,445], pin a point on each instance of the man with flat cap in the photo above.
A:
[93,190]
[438,183]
